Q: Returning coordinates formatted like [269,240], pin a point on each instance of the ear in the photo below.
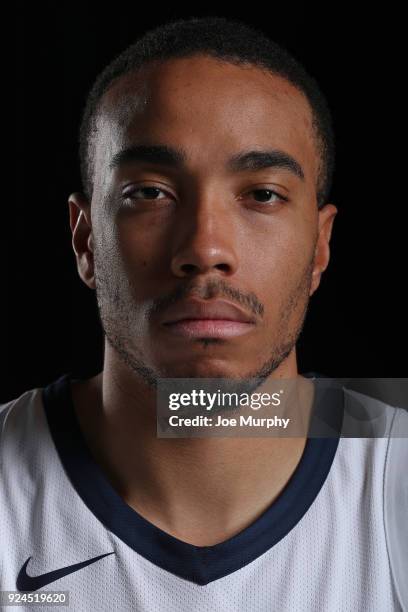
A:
[82,239]
[322,251]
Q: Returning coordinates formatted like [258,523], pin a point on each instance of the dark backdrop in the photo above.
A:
[355,326]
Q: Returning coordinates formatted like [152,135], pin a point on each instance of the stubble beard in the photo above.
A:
[116,306]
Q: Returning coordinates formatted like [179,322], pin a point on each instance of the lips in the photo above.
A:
[194,309]
[210,319]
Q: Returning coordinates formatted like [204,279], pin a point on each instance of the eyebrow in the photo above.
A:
[172,157]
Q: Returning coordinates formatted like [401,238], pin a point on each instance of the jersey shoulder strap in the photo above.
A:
[18,410]
[396,503]
[4,410]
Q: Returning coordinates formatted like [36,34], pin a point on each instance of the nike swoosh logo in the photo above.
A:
[32,583]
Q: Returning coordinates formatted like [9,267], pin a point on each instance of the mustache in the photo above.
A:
[215,288]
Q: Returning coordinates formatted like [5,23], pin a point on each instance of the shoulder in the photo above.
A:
[396,502]
[18,415]
[385,430]
[366,416]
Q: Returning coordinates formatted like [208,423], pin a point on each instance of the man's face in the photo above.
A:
[170,239]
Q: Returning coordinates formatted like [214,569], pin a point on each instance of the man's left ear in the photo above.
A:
[327,215]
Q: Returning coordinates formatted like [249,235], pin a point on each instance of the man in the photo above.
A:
[204,228]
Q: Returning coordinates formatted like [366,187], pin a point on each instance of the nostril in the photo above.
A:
[222,267]
[188,268]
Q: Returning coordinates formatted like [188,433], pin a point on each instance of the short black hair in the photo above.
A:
[225,39]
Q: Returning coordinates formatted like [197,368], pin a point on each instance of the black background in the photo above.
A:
[355,326]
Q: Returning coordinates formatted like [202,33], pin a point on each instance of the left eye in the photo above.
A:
[267,194]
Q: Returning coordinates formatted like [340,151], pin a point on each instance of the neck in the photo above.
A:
[200,490]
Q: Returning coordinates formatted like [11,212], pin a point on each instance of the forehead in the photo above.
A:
[208,107]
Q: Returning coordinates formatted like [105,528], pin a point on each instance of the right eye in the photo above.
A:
[150,190]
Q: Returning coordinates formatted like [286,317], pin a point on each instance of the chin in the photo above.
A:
[200,369]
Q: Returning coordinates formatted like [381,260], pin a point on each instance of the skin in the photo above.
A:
[207,234]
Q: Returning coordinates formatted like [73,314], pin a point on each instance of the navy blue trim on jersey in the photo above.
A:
[198,564]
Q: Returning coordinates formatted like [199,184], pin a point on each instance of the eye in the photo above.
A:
[150,192]
[267,194]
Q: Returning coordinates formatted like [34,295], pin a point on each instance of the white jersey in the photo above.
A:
[334,540]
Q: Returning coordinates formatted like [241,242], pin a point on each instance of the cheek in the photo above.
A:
[279,254]
[141,258]
[281,276]
[123,254]
[142,243]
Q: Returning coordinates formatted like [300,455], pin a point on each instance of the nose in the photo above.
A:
[205,243]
